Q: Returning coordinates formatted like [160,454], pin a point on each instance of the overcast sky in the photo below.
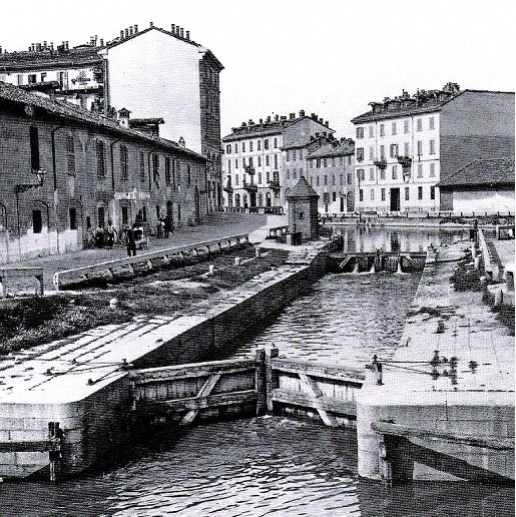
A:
[331,57]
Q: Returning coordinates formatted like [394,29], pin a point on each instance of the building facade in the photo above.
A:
[255,159]
[330,171]
[156,74]
[65,171]
[406,145]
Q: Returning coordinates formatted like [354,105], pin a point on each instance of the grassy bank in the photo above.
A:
[27,322]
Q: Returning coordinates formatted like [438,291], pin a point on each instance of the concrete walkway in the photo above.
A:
[216,225]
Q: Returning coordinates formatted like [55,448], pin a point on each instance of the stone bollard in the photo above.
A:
[211,271]
[258,252]
[473,251]
[238,261]
[477,263]
[374,373]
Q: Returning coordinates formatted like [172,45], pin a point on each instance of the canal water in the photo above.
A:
[273,466]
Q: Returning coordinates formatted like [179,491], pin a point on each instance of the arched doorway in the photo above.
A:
[268,200]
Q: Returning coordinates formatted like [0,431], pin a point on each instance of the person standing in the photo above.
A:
[130,241]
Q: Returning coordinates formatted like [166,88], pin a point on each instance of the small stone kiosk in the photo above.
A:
[303,218]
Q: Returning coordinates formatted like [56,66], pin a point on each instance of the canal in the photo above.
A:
[274,465]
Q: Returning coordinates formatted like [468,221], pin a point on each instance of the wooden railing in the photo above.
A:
[164,255]
[239,386]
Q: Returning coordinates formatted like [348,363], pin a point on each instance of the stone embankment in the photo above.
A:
[82,382]
[451,376]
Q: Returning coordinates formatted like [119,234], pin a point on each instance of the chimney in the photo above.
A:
[38,47]
[250,122]
[182,32]
[173,28]
[0,49]
[121,34]
[326,123]
[151,24]
[268,119]
[123,117]
[302,113]
[182,142]
[136,29]
[101,42]
[292,116]
[276,118]
[260,121]
[317,134]
[126,33]
[51,45]
[313,116]
[320,120]
[131,30]
[45,45]
[188,35]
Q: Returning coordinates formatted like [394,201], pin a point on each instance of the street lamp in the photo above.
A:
[23,187]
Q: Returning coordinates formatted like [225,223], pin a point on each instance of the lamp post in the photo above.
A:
[19,188]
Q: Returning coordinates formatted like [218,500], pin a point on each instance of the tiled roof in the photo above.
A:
[331,149]
[69,111]
[17,61]
[302,189]
[487,172]
[118,41]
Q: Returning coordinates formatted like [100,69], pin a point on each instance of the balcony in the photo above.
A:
[274,185]
[228,188]
[381,164]
[405,161]
[250,187]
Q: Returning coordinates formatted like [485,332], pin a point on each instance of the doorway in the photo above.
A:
[395,200]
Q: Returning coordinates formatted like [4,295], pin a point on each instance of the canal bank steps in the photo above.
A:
[82,382]
[468,390]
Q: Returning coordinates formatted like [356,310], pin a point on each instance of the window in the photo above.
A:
[70,151]
[275,143]
[288,174]
[250,147]
[142,166]
[43,76]
[317,181]
[407,194]
[406,146]
[382,193]
[229,166]
[334,196]
[349,160]
[432,170]
[259,160]
[361,195]
[431,123]
[177,174]
[188,175]
[405,126]
[382,174]
[382,129]
[394,150]
[125,215]
[167,171]
[236,163]
[419,148]
[325,180]
[420,193]
[350,178]
[260,177]
[432,146]
[37,221]
[360,132]
[371,131]
[73,218]
[288,156]
[419,124]
[371,174]
[394,171]
[300,154]
[243,147]
[267,176]
[325,162]
[101,216]
[267,160]
[360,154]
[250,161]
[341,179]
[382,152]
[34,148]
[32,78]
[419,170]
[266,144]
[101,159]
[275,161]
[259,145]
[394,128]
[124,172]
[236,148]
[19,79]
[228,149]
[371,194]
[432,192]
[333,179]
[371,153]
[155,167]
[236,179]
[144,214]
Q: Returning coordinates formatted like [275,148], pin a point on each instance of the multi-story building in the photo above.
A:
[331,174]
[257,154]
[65,170]
[406,145]
[154,73]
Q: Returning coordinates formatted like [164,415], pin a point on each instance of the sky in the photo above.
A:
[331,57]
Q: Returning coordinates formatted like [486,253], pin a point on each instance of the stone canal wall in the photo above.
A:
[88,391]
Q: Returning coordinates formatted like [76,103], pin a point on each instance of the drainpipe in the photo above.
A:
[54,171]
[113,162]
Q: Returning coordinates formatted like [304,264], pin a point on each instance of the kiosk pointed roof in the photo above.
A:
[302,189]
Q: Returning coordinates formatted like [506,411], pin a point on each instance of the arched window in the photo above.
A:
[260,199]
[237,199]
